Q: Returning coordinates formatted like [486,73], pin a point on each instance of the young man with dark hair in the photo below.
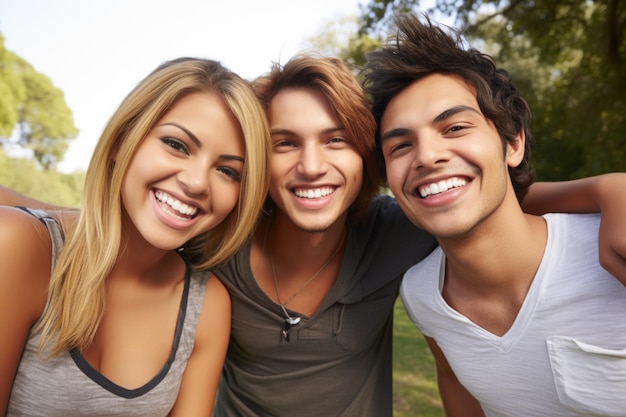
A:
[518,312]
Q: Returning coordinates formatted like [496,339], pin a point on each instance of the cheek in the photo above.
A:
[276,178]
[282,168]
[279,167]
[351,165]
[274,187]
[130,185]
[145,166]
[394,176]
[227,197]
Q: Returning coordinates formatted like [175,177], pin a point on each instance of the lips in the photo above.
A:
[314,192]
[176,206]
[441,186]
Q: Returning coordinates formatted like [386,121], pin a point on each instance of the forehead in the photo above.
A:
[193,104]
[426,98]
[206,116]
[300,107]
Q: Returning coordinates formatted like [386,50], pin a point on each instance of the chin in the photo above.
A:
[166,245]
[320,229]
[313,226]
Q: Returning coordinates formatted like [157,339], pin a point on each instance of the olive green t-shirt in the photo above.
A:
[337,362]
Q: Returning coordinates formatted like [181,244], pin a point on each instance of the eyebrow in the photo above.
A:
[394,133]
[446,114]
[233,158]
[193,137]
[195,140]
[322,132]
[452,111]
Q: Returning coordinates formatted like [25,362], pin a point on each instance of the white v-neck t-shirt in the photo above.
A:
[565,354]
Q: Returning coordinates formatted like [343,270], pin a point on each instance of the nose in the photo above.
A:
[430,151]
[195,178]
[313,161]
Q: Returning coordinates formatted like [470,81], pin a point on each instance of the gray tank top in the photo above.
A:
[68,386]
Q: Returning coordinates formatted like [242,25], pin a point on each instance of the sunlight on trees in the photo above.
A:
[569,60]
[33,112]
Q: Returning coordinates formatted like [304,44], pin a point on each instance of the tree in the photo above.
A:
[341,38]
[50,185]
[568,58]
[33,112]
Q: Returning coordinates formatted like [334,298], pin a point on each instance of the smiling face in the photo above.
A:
[445,161]
[316,173]
[185,176]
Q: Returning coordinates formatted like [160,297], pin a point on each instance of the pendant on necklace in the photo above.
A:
[288,324]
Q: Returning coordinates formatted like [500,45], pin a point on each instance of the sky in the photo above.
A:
[96,51]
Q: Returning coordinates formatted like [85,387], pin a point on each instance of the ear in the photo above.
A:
[515,150]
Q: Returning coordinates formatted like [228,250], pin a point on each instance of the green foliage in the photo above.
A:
[415,391]
[376,14]
[12,91]
[51,186]
[569,60]
[33,112]
[340,38]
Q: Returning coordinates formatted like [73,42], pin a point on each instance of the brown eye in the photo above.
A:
[175,144]
[230,172]
[398,147]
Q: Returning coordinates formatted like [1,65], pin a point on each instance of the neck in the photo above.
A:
[138,258]
[292,244]
[497,253]
[489,271]
[287,260]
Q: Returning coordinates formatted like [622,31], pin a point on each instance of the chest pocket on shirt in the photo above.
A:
[589,379]
[361,323]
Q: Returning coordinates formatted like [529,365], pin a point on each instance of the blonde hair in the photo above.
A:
[77,293]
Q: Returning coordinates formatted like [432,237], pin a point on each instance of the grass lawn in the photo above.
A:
[415,391]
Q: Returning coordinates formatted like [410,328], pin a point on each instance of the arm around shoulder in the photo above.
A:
[8,197]
[603,193]
[64,215]
[612,236]
[25,254]
[204,368]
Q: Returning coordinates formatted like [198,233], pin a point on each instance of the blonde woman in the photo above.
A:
[121,320]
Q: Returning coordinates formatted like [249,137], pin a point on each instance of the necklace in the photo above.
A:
[291,321]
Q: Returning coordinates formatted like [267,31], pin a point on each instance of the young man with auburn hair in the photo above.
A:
[313,293]
[517,310]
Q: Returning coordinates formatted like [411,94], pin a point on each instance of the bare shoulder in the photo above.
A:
[25,254]
[216,291]
[216,298]
[20,231]
[214,322]
[202,374]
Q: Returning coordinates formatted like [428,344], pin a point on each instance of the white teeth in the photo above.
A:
[176,205]
[441,186]
[316,193]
